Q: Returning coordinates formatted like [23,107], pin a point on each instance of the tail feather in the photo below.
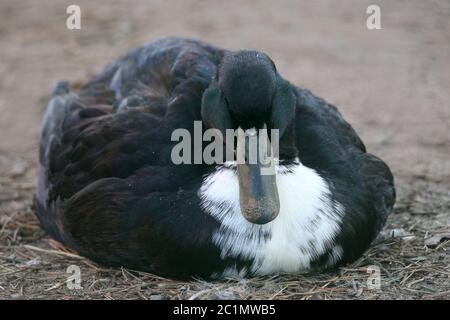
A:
[61,88]
[57,109]
[56,112]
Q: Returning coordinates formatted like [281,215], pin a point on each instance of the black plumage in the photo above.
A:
[108,188]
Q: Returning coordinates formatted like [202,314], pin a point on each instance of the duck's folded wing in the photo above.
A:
[330,145]
[81,144]
[380,182]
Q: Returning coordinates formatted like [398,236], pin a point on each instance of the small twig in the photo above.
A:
[62,253]
[278,293]
[415,282]
[13,260]
[198,294]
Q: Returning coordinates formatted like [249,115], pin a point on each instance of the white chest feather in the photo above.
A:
[304,229]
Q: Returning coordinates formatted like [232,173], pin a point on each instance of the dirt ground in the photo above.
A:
[392,85]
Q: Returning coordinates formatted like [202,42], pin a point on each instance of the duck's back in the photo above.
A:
[105,151]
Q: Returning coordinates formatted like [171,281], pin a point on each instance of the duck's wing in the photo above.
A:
[107,185]
[123,118]
[361,182]
[328,143]
[154,73]
[321,127]
[81,144]
[119,125]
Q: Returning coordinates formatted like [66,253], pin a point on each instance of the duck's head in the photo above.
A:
[248,93]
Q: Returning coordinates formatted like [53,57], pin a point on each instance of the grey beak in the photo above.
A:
[258,193]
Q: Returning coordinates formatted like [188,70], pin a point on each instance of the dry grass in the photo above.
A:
[32,266]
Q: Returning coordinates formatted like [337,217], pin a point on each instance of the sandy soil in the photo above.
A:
[391,84]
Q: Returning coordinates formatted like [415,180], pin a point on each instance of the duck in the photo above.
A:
[108,187]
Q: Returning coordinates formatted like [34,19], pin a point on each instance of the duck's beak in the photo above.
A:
[258,194]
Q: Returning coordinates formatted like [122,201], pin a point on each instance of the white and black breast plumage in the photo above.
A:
[316,229]
[108,189]
[304,231]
